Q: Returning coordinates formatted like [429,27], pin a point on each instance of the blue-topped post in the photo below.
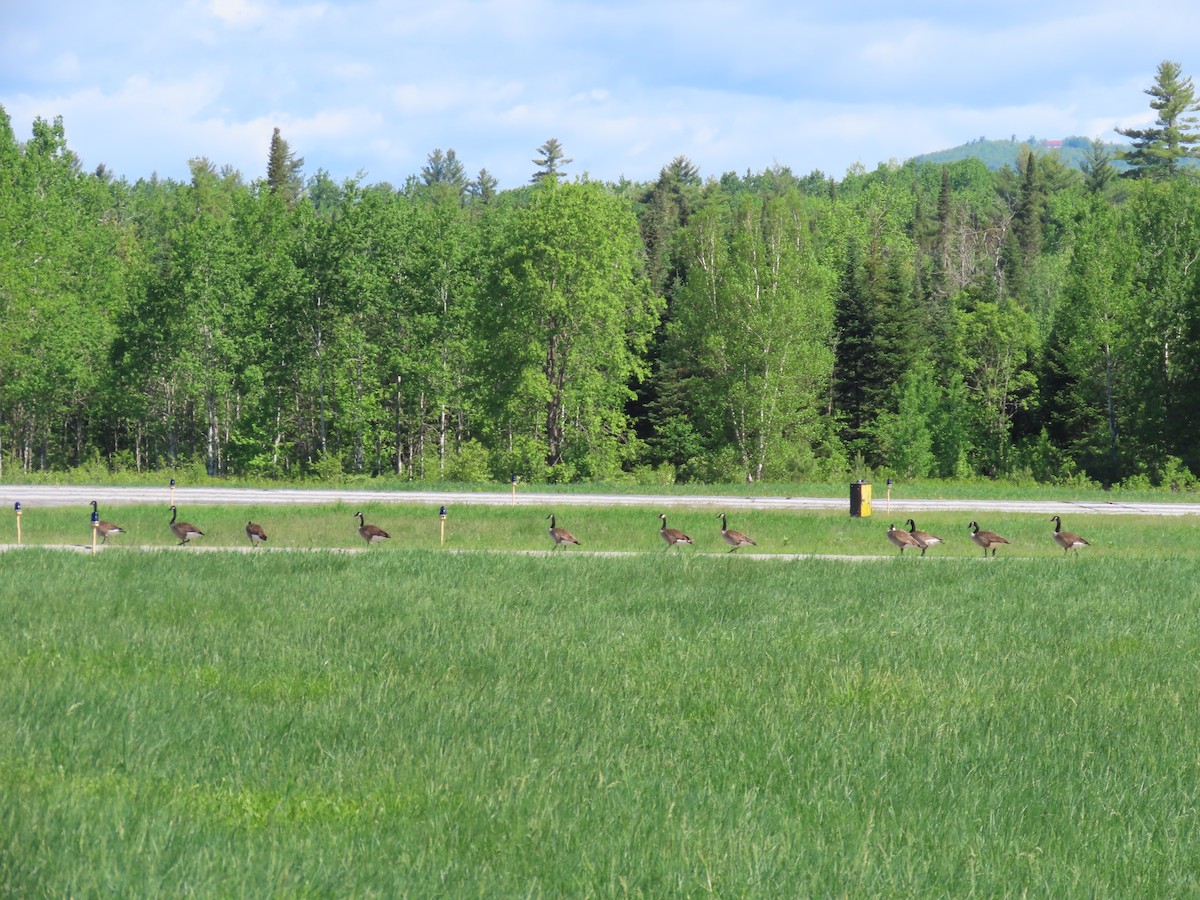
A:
[17,510]
[442,522]
[172,503]
[889,495]
[515,479]
[95,528]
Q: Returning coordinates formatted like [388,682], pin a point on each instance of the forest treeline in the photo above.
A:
[918,320]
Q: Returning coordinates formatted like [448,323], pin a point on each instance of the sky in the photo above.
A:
[369,88]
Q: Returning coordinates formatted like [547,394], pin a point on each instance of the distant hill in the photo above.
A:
[1072,151]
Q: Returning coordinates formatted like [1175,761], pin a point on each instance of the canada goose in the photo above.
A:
[185,531]
[988,540]
[1066,539]
[734,539]
[560,536]
[255,533]
[672,536]
[104,529]
[902,539]
[372,534]
[924,538]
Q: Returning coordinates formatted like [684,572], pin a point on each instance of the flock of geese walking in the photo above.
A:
[914,538]
[185,531]
[988,540]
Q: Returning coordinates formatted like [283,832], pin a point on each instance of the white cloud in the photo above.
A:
[238,13]
[374,85]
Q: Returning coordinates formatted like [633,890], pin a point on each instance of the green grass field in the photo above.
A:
[409,721]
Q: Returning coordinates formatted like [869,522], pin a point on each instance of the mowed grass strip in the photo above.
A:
[430,723]
[606,529]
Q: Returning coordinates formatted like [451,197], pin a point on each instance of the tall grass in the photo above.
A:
[659,724]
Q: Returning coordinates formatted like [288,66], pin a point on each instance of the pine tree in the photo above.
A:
[445,169]
[283,170]
[550,161]
[1024,239]
[1097,168]
[1157,150]
[483,188]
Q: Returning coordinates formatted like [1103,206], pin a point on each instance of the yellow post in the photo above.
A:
[172,503]
[17,509]
[860,499]
[514,490]
[889,496]
[95,528]
[442,516]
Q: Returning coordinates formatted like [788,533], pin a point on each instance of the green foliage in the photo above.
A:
[1158,150]
[550,162]
[904,438]
[284,176]
[751,327]
[565,324]
[945,319]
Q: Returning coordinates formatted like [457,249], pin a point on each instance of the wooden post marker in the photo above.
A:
[17,510]
[889,495]
[515,479]
[442,518]
[172,503]
[95,528]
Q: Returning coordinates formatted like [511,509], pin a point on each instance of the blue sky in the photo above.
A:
[374,86]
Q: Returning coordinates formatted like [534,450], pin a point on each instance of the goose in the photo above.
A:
[902,539]
[372,534]
[988,540]
[1066,539]
[560,536]
[185,531]
[255,533]
[924,538]
[104,529]
[734,539]
[672,536]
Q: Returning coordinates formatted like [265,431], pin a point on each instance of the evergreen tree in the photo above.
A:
[664,211]
[444,173]
[1158,149]
[1024,239]
[483,188]
[550,161]
[1097,168]
[283,170]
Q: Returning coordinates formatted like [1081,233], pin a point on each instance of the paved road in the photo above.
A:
[32,496]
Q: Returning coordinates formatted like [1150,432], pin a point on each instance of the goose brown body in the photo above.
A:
[733,538]
[372,534]
[923,538]
[560,536]
[902,539]
[1067,540]
[672,536]
[255,533]
[104,529]
[185,531]
[988,540]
